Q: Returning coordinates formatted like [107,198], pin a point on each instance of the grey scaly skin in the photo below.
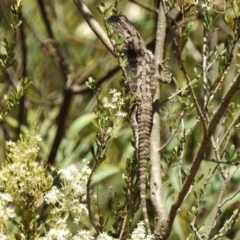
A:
[142,81]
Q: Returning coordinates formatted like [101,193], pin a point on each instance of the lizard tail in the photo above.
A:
[143,155]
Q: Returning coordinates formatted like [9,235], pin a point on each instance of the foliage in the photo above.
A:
[7,60]
[62,197]
[38,206]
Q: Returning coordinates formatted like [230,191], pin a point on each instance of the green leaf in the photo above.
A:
[104,172]
[195,194]
[201,228]
[121,40]
[100,10]
[80,123]
[199,178]
[92,150]
[17,224]
[193,209]
[170,192]
[195,70]
[190,237]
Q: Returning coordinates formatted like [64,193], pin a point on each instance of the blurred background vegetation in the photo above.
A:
[57,50]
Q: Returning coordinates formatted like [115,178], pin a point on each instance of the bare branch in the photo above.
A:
[180,164]
[200,198]
[216,210]
[61,119]
[200,153]
[145,6]
[59,57]
[156,187]
[194,98]
[230,223]
[229,131]
[229,198]
[224,104]
[173,134]
[82,89]
[194,81]
[94,25]
[23,49]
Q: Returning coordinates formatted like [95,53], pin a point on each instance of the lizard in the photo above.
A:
[142,81]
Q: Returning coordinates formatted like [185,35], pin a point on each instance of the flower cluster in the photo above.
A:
[21,175]
[116,104]
[23,181]
[71,197]
[28,195]
[140,233]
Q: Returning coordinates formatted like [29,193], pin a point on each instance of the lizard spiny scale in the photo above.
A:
[140,74]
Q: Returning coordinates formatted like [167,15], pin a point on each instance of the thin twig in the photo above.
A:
[61,119]
[200,153]
[232,220]
[23,50]
[194,98]
[173,134]
[83,89]
[59,57]
[145,6]
[94,25]
[194,81]
[197,234]
[182,144]
[235,163]
[216,210]
[218,157]
[229,131]
[76,39]
[67,95]
[229,198]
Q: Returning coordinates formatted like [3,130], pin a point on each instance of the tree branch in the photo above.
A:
[59,57]
[94,25]
[200,153]
[67,95]
[145,6]
[156,187]
[23,49]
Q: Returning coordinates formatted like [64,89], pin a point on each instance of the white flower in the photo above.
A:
[10,143]
[121,114]
[6,197]
[68,173]
[10,211]
[104,236]
[112,91]
[110,105]
[83,235]
[3,237]
[38,138]
[60,234]
[53,196]
[139,232]
[76,220]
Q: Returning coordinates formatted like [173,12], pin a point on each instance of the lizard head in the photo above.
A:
[134,44]
[121,25]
